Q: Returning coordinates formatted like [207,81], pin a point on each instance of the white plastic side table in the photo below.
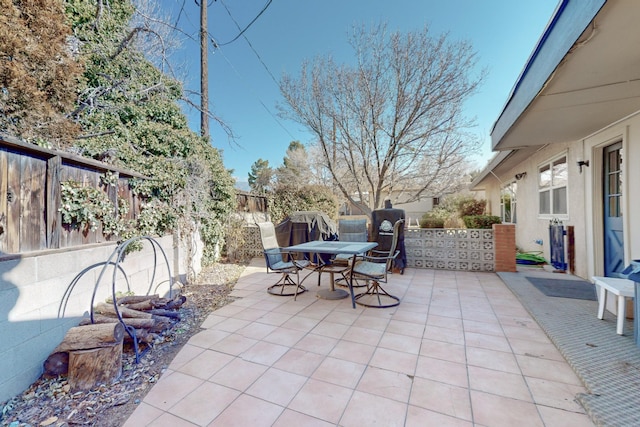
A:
[622,288]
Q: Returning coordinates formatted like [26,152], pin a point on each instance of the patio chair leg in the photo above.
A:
[377,291]
[298,286]
[284,284]
[344,282]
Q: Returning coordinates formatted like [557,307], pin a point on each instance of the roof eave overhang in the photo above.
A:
[566,27]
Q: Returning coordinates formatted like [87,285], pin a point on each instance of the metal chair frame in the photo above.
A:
[350,230]
[275,257]
[374,268]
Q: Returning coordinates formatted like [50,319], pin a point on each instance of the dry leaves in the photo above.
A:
[49,402]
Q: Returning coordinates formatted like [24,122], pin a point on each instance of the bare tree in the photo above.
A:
[391,125]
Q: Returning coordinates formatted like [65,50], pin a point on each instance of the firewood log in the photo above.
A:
[81,338]
[166,313]
[142,335]
[91,336]
[152,303]
[141,306]
[136,323]
[132,299]
[155,324]
[175,303]
[90,367]
[108,309]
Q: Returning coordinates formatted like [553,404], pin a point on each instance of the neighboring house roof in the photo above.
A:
[583,75]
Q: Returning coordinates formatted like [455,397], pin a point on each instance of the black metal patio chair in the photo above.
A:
[374,268]
[280,261]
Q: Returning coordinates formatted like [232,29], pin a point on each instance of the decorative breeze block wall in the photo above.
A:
[251,243]
[450,249]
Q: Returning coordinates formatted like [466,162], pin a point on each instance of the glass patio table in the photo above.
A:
[333,248]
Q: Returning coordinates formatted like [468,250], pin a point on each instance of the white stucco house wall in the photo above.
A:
[568,138]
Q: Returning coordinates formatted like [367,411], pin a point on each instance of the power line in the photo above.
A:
[251,46]
[217,46]
[259,59]
[248,25]
[235,70]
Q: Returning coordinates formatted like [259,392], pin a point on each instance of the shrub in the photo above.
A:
[430,220]
[454,221]
[285,200]
[481,221]
[453,208]
[469,206]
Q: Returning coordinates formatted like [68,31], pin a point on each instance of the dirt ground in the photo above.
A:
[50,402]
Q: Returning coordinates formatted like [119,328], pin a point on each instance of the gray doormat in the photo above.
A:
[577,289]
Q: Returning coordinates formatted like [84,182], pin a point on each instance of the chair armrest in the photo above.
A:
[380,259]
[291,256]
[346,258]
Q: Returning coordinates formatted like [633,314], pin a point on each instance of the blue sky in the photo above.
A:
[244,94]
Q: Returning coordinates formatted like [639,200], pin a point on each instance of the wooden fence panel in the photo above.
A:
[32,204]
[22,202]
[30,196]
[112,193]
[126,194]
[13,203]
[93,180]
[54,217]
[247,202]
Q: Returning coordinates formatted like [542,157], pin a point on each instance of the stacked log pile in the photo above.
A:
[91,353]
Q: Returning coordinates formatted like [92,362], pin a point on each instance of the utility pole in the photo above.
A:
[204,71]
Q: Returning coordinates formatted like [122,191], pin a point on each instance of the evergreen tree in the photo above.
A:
[295,171]
[260,176]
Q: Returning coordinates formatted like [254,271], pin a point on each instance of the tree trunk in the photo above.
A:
[87,368]
[91,336]
[80,338]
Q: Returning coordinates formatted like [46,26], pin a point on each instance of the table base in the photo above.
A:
[332,293]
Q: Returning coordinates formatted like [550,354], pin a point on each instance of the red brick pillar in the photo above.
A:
[504,247]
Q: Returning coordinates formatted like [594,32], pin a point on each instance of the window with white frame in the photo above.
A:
[552,187]
[508,203]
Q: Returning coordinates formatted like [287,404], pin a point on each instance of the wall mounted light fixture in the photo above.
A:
[582,163]
[520,175]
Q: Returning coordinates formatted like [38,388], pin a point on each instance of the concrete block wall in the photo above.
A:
[474,250]
[44,294]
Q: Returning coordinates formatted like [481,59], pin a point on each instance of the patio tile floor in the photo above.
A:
[459,350]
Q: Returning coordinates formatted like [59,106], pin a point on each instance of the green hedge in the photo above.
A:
[481,221]
[431,222]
